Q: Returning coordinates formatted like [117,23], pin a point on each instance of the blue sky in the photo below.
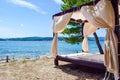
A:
[25,18]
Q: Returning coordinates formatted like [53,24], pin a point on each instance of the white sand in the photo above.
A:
[43,69]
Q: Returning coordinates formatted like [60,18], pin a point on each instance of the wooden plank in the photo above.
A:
[76,8]
[79,61]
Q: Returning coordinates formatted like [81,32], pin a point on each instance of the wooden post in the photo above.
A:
[82,33]
[82,30]
[98,43]
[117,29]
[7,58]
[56,63]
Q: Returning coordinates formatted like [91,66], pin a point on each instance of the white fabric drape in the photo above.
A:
[78,15]
[87,30]
[111,53]
[102,16]
[59,25]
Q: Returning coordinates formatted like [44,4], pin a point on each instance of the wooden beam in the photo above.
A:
[98,43]
[78,20]
[117,29]
[76,8]
[93,64]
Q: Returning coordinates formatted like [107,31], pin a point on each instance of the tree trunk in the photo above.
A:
[98,43]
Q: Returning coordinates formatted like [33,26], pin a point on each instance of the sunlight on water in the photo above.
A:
[32,49]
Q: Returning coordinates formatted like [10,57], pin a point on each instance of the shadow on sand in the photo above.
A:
[82,72]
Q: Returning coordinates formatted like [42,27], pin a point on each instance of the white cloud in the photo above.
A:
[27,4]
[21,25]
[58,1]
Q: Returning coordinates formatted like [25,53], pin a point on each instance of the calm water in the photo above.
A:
[31,49]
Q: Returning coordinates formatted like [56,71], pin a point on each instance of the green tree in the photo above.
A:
[67,4]
[73,32]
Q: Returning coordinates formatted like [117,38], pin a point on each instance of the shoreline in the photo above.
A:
[12,59]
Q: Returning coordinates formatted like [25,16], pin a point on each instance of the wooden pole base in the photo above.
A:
[56,61]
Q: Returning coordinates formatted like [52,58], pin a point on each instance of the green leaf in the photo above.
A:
[73,30]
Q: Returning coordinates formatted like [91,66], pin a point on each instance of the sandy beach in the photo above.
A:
[44,69]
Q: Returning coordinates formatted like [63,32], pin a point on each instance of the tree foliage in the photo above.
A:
[73,3]
[72,34]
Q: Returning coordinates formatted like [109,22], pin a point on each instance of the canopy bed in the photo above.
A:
[94,15]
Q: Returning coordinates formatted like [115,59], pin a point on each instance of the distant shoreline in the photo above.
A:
[42,39]
[28,39]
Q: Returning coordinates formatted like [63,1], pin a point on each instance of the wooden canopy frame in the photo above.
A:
[94,64]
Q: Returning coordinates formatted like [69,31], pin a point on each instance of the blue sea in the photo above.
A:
[32,49]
